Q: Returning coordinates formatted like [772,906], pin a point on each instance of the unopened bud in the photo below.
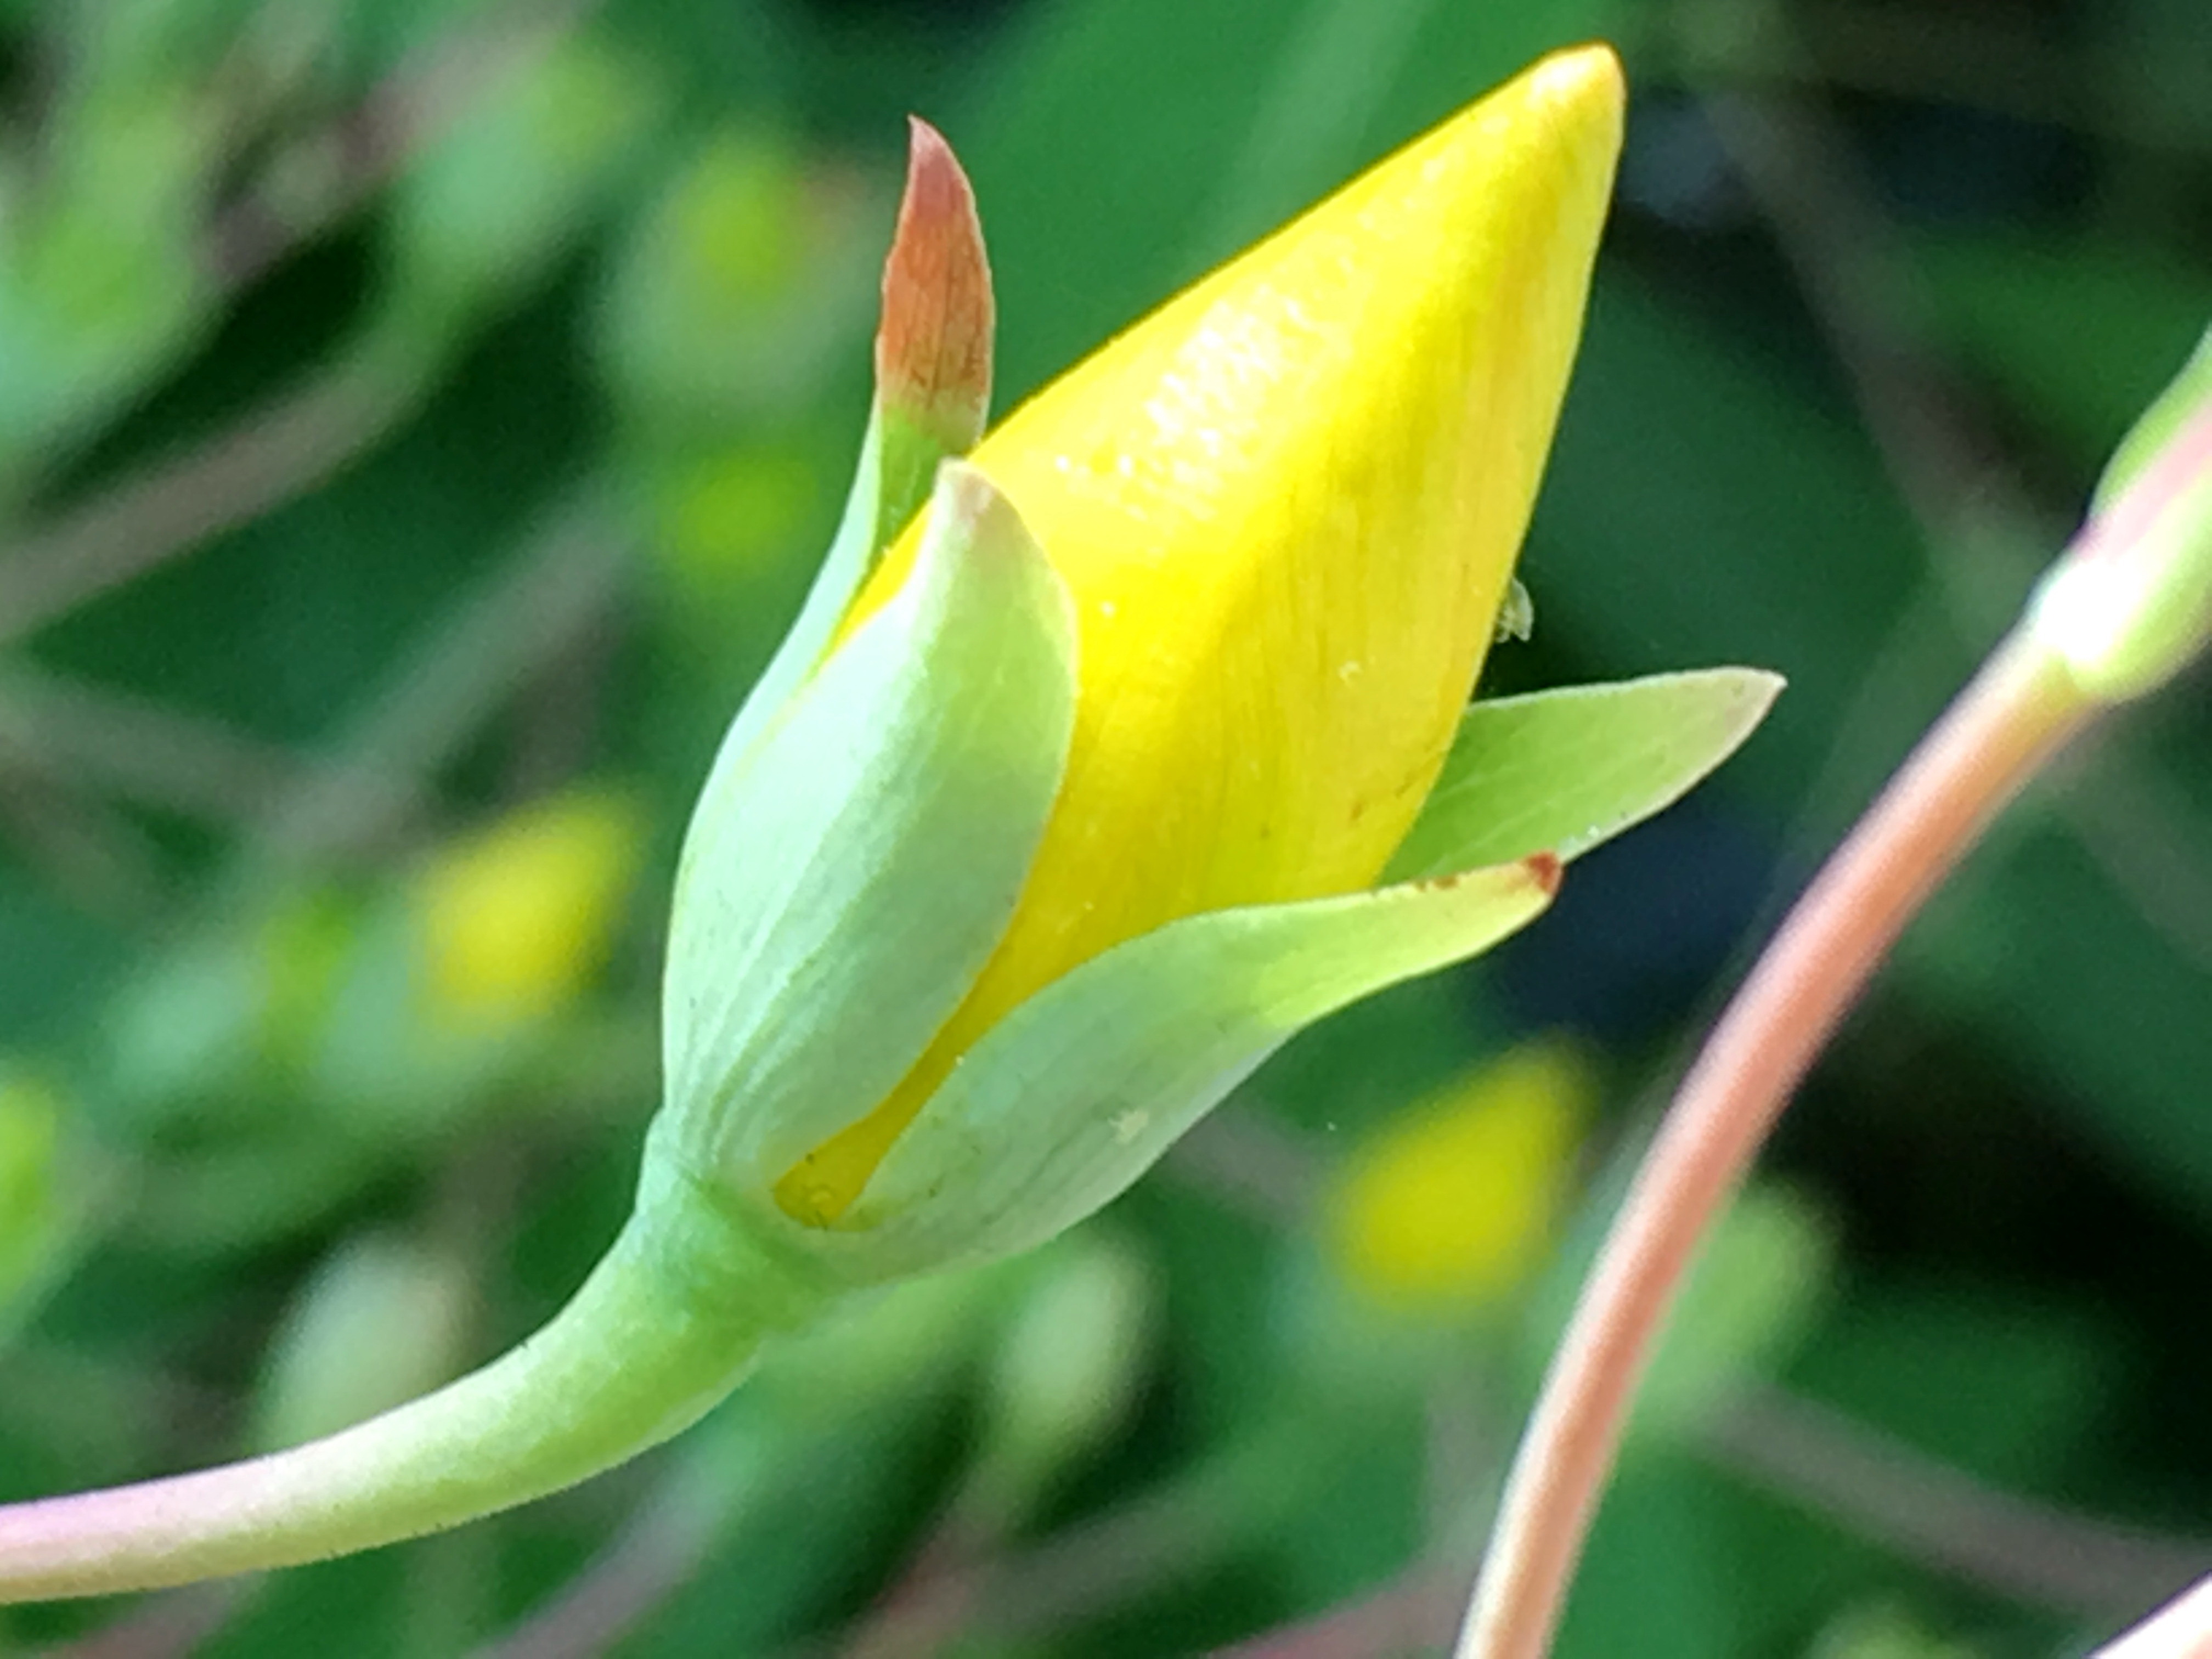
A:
[2129,604]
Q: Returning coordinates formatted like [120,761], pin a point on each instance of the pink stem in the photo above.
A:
[2019,708]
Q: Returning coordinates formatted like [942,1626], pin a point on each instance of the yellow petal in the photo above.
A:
[1287,505]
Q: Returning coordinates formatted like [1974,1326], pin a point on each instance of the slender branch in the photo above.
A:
[185,500]
[929,1600]
[167,1627]
[2001,728]
[1925,1510]
[667,1324]
[1163,1535]
[85,847]
[1863,286]
[144,750]
[1945,58]
[471,664]
[654,1556]
[1943,1518]
[303,438]
[1411,1612]
[398,118]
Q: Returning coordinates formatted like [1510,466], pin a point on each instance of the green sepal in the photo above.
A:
[1561,771]
[910,457]
[898,464]
[937,297]
[1080,1090]
[851,557]
[847,873]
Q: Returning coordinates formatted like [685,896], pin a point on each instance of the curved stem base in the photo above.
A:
[661,1331]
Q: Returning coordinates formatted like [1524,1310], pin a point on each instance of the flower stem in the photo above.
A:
[2020,708]
[668,1323]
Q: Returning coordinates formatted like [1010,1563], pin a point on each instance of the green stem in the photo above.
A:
[669,1321]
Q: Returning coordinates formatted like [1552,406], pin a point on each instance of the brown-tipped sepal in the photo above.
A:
[933,343]
[932,393]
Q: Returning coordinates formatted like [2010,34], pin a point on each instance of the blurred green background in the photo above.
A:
[417,422]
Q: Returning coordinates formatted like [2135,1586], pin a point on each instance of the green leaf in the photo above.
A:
[1082,1088]
[1561,771]
[847,875]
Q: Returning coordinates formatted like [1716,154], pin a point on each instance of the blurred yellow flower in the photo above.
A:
[1286,506]
[515,920]
[1451,1205]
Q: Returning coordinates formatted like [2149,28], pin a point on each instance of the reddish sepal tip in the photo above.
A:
[933,346]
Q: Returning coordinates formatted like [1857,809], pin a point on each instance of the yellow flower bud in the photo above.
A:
[1287,507]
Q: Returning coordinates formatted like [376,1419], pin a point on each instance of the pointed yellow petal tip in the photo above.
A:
[1588,76]
[1287,506]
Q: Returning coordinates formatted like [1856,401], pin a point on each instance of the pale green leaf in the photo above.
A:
[1561,771]
[1078,1090]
